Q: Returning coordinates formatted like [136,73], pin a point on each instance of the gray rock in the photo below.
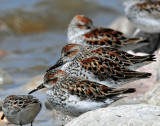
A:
[157,64]
[126,115]
[152,97]
[130,100]
[5,78]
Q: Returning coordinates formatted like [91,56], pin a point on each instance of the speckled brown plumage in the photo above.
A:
[104,68]
[82,31]
[21,109]
[121,57]
[21,101]
[74,96]
[145,15]
[150,7]
[102,64]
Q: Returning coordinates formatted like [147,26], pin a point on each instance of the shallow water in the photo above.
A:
[38,32]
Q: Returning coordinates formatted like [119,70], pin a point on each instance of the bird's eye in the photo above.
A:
[68,53]
[50,81]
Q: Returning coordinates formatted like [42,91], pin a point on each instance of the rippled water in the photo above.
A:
[38,32]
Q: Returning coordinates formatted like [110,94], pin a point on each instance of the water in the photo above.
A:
[38,32]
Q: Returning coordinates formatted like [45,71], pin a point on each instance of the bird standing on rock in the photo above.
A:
[74,96]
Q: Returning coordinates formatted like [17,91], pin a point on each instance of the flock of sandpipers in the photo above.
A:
[92,67]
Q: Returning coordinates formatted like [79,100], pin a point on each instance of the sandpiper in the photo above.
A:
[76,61]
[21,109]
[74,96]
[82,31]
[144,14]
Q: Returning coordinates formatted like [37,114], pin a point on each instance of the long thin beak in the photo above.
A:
[58,64]
[38,88]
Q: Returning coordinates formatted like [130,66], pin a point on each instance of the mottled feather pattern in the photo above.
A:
[85,20]
[92,90]
[145,15]
[104,68]
[104,36]
[82,31]
[149,6]
[21,109]
[73,95]
[109,37]
[22,101]
[121,57]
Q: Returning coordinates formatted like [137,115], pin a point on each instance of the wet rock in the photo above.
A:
[123,24]
[5,78]
[126,115]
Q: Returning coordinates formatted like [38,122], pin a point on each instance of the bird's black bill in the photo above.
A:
[38,88]
[58,64]
[2,117]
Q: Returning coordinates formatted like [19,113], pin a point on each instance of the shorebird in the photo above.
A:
[21,109]
[74,96]
[82,31]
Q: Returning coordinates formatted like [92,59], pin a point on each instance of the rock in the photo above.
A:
[126,115]
[157,64]
[130,100]
[152,97]
[123,24]
[5,78]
